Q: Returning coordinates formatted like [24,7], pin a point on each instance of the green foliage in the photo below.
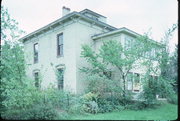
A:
[111,55]
[105,106]
[102,85]
[36,112]
[12,69]
[90,96]
[90,102]
[9,26]
[109,104]
[20,97]
[163,112]
[172,98]
[90,107]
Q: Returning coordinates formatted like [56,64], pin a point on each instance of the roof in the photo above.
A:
[121,30]
[91,12]
[65,19]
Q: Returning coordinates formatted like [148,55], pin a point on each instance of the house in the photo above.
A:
[52,53]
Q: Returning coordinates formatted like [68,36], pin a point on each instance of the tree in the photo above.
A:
[9,27]
[113,55]
[167,64]
[12,69]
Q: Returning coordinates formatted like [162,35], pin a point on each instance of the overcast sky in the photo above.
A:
[137,15]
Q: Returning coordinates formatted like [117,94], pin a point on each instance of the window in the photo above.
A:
[60,44]
[129,43]
[152,53]
[136,86]
[36,53]
[36,78]
[130,81]
[60,78]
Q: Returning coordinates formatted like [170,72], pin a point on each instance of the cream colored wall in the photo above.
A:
[48,54]
[74,35]
[84,32]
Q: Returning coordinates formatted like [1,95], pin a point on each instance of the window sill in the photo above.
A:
[59,56]
[136,91]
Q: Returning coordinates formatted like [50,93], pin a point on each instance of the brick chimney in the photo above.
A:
[65,11]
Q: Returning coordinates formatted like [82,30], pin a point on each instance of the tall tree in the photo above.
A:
[12,69]
[112,54]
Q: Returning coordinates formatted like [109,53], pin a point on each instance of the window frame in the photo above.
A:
[60,83]
[60,46]
[130,81]
[36,79]
[36,52]
[138,84]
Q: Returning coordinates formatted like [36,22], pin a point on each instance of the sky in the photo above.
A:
[140,16]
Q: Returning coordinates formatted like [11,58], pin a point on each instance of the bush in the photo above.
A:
[137,105]
[172,99]
[105,106]
[90,107]
[89,102]
[37,112]
[119,108]
[62,116]
[76,109]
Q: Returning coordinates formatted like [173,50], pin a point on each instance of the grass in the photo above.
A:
[164,112]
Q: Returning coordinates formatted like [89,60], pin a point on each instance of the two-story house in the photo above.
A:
[56,48]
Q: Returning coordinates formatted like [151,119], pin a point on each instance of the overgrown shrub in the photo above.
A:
[18,96]
[91,107]
[105,106]
[173,99]
[89,102]
[62,116]
[136,105]
[37,112]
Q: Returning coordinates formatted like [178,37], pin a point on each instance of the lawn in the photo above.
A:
[164,112]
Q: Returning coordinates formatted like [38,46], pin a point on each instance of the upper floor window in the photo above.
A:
[60,44]
[35,52]
[128,43]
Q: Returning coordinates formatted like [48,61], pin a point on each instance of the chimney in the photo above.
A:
[65,11]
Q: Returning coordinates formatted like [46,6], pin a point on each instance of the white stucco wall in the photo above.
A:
[84,32]
[75,33]
[48,54]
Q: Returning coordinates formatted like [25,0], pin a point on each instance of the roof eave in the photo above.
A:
[122,30]
[64,19]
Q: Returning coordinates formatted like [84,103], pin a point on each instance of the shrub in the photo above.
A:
[172,99]
[137,105]
[90,96]
[90,107]
[89,102]
[42,112]
[37,112]
[105,106]
[62,116]
[76,109]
